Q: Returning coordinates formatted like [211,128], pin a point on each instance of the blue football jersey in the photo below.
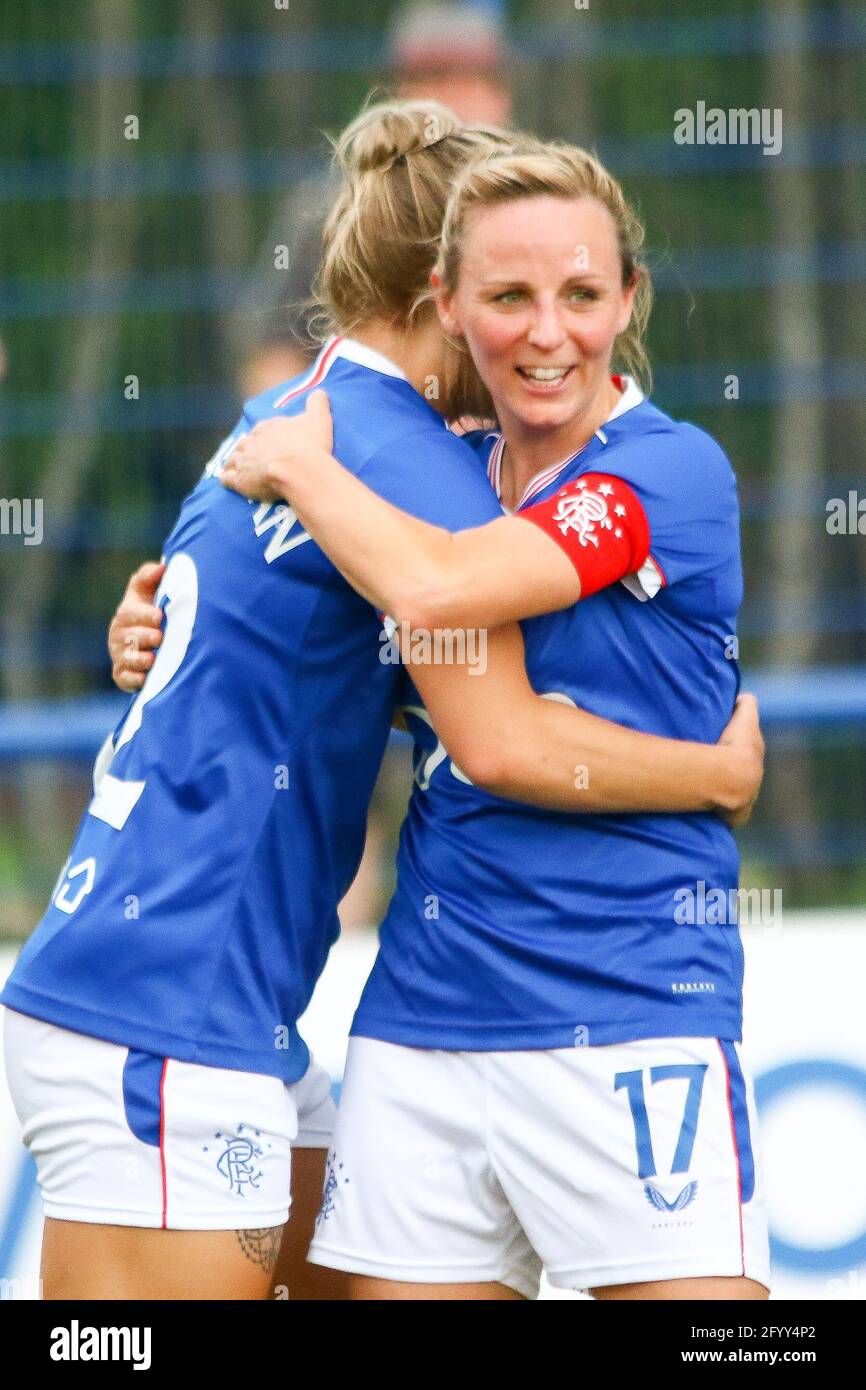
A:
[199,901]
[519,928]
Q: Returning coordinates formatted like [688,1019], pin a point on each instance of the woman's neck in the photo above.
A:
[410,351]
[528,452]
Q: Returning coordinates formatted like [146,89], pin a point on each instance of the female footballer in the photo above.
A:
[546,1070]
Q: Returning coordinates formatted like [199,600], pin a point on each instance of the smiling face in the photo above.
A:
[540,302]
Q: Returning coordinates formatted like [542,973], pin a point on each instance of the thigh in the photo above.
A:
[85,1261]
[694,1290]
[633,1164]
[364,1289]
[410,1197]
[294,1276]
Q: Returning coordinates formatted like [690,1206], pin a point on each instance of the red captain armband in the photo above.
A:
[600,524]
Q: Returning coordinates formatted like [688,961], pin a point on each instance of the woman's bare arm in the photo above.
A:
[417,573]
[516,744]
[511,741]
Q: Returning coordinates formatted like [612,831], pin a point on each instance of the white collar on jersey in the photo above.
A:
[336,347]
[630,396]
[365,356]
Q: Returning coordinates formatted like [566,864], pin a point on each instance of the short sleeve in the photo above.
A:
[688,491]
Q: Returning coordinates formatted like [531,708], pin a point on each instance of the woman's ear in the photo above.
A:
[444,306]
[628,294]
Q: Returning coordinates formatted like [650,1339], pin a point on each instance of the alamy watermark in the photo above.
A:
[847,517]
[738,126]
[439,646]
[854,1286]
[77,1343]
[22,516]
[720,907]
[28,1289]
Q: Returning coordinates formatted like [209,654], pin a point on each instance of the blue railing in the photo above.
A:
[74,728]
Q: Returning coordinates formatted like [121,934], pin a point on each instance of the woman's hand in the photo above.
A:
[136,628]
[743,738]
[265,460]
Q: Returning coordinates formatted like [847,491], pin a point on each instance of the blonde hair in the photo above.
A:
[535,169]
[398,162]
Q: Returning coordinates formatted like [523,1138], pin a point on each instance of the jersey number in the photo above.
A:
[633,1083]
[114,798]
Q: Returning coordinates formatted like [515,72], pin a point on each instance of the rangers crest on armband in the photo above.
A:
[584,511]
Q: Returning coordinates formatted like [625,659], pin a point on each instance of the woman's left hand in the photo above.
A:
[742,735]
[261,466]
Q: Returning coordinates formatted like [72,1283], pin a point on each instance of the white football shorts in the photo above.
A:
[605,1165]
[128,1139]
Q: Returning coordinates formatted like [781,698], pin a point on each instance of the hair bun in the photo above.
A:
[388,131]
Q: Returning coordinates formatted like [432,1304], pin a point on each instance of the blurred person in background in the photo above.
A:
[450,52]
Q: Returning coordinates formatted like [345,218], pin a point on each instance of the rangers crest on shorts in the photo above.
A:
[333,1178]
[238,1160]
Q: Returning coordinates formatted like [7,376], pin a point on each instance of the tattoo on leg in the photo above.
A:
[262,1246]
